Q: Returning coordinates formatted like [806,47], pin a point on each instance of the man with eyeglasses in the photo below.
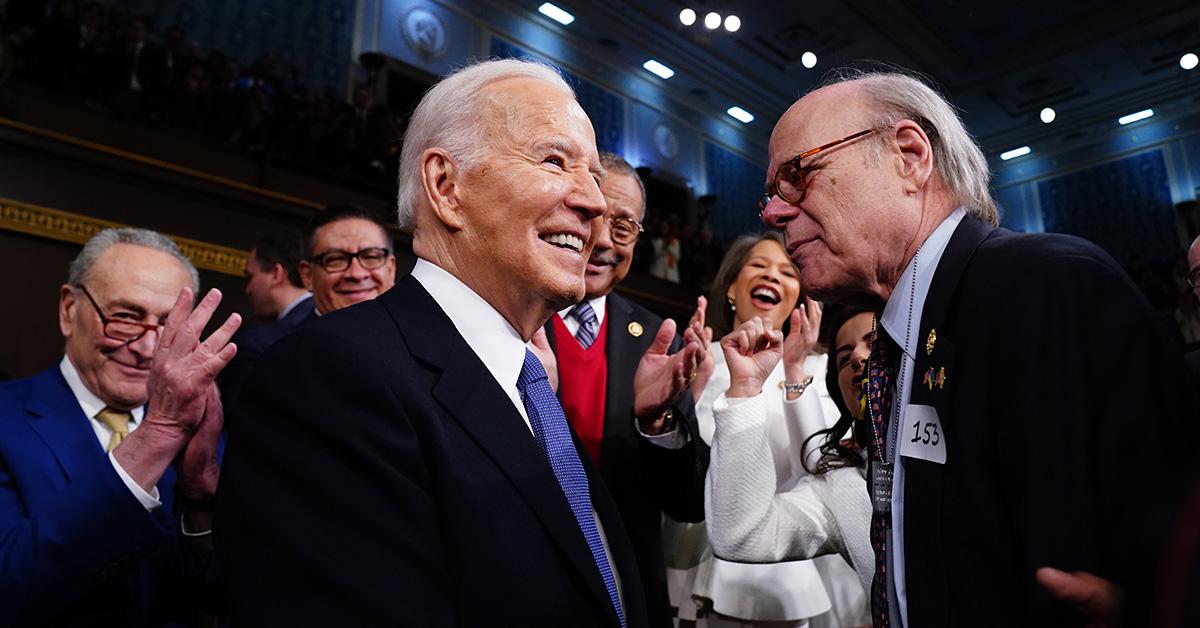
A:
[109,456]
[1015,382]
[347,258]
[600,343]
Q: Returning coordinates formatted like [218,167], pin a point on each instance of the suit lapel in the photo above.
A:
[934,378]
[623,351]
[57,418]
[473,399]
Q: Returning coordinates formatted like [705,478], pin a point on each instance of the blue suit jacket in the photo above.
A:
[251,343]
[76,546]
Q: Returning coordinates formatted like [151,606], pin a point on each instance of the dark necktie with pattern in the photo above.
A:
[554,437]
[881,372]
[587,324]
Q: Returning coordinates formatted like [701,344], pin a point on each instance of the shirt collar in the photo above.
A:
[492,338]
[897,318]
[88,401]
[598,304]
[291,306]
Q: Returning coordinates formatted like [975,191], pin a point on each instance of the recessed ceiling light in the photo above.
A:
[1134,117]
[1014,153]
[687,17]
[809,59]
[658,69]
[740,114]
[1047,115]
[555,13]
[733,23]
[1189,61]
[712,21]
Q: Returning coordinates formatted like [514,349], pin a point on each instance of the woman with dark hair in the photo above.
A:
[757,279]
[826,512]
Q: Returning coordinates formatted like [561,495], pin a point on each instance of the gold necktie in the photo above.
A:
[118,422]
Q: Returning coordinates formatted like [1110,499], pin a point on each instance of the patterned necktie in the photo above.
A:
[587,324]
[880,378]
[118,423]
[554,437]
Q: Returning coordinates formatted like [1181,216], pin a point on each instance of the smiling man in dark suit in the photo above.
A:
[1004,441]
[405,461]
[600,343]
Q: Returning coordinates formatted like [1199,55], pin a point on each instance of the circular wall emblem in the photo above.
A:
[665,141]
[424,32]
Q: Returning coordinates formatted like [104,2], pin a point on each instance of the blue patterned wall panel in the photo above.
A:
[317,34]
[664,143]
[606,109]
[426,35]
[1124,206]
[737,183]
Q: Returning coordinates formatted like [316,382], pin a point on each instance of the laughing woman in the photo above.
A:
[757,279]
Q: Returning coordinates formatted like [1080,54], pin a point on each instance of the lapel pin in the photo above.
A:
[941,377]
[931,342]
[928,379]
[635,329]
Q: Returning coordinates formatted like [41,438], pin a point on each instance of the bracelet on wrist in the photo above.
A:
[798,388]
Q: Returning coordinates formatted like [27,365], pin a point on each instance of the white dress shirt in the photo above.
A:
[91,406]
[497,344]
[896,318]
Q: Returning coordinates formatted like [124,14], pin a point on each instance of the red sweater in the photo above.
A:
[582,382]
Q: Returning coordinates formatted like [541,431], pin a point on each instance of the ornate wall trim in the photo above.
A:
[54,224]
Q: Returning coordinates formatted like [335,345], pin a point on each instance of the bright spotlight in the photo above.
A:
[687,17]
[712,21]
[741,115]
[659,70]
[1134,117]
[555,13]
[733,23]
[1048,115]
[1014,153]
[809,59]
[1189,61]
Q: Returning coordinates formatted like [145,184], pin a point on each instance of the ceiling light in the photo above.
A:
[809,60]
[712,21]
[687,17]
[558,15]
[1189,61]
[1014,153]
[1048,115]
[658,69]
[1134,117]
[740,114]
[733,23]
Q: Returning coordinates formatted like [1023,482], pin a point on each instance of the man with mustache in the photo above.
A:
[601,344]
[91,504]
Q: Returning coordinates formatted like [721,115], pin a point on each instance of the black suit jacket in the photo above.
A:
[1069,424]
[251,343]
[381,477]
[645,480]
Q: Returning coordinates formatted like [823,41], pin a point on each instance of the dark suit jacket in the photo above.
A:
[1069,423]
[381,477]
[251,343]
[645,480]
[76,546]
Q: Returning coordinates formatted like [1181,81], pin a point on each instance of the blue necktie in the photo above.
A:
[554,437]
[587,324]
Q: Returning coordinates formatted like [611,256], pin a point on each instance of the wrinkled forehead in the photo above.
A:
[821,116]
[530,111]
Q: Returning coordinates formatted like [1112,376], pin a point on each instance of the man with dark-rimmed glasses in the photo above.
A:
[91,503]
[1008,376]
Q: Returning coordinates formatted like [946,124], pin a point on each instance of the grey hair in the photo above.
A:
[449,117]
[106,239]
[959,161]
[615,164]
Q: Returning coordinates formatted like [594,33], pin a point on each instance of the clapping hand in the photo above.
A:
[751,351]
[661,378]
[802,335]
[704,370]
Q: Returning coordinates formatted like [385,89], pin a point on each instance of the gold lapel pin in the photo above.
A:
[940,380]
[635,329]
[931,342]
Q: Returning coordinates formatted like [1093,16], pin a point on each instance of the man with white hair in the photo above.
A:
[405,461]
[91,504]
[1000,424]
